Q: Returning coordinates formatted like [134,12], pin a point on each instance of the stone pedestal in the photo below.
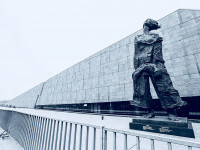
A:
[162,125]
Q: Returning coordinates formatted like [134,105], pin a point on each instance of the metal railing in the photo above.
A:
[151,138]
[39,133]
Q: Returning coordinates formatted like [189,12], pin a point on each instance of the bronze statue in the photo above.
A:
[149,63]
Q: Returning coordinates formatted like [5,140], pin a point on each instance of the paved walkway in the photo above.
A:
[8,143]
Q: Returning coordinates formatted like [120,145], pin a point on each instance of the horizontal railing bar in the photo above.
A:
[158,138]
[78,123]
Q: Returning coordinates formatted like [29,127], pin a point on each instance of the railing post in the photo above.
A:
[189,148]
[114,141]
[49,134]
[61,131]
[34,131]
[101,138]
[43,133]
[169,145]
[75,128]
[87,135]
[57,130]
[125,142]
[137,143]
[53,132]
[69,140]
[39,134]
[46,134]
[65,134]
[28,133]
[80,139]
[105,140]
[152,145]
[94,139]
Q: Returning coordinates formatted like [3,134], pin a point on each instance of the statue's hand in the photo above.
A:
[136,74]
[142,68]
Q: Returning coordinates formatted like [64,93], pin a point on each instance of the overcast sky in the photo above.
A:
[40,38]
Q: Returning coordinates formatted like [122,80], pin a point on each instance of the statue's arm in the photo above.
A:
[158,51]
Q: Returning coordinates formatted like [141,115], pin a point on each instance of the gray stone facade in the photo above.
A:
[107,75]
[27,99]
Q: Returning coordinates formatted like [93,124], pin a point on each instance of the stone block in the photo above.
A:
[105,80]
[80,95]
[103,94]
[59,98]
[128,95]
[123,64]
[124,41]
[114,79]
[95,61]
[95,71]
[79,75]
[105,57]
[85,64]
[104,69]
[90,83]
[125,76]
[113,67]
[69,86]
[73,96]
[92,95]
[76,68]
[66,97]
[124,51]
[170,20]
[185,15]
[130,62]
[116,92]
[191,44]
[78,85]
[114,54]
[86,74]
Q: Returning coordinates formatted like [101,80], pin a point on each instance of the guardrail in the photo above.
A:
[40,133]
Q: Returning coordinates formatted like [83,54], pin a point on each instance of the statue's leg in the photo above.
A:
[142,96]
[168,96]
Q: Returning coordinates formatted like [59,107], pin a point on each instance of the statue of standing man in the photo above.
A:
[149,64]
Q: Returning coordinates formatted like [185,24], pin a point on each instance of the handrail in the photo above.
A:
[157,137]
[39,132]
[73,122]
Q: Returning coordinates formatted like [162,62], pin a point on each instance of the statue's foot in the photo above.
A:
[172,114]
[172,117]
[149,115]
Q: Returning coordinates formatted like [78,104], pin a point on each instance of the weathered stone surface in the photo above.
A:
[27,99]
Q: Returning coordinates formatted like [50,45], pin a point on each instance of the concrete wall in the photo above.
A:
[27,99]
[106,75]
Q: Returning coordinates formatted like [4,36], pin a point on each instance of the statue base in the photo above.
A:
[162,125]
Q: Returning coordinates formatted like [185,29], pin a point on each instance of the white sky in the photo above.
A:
[40,38]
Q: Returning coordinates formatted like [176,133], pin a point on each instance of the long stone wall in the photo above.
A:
[27,99]
[106,75]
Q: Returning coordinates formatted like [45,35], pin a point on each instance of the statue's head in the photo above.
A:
[152,24]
